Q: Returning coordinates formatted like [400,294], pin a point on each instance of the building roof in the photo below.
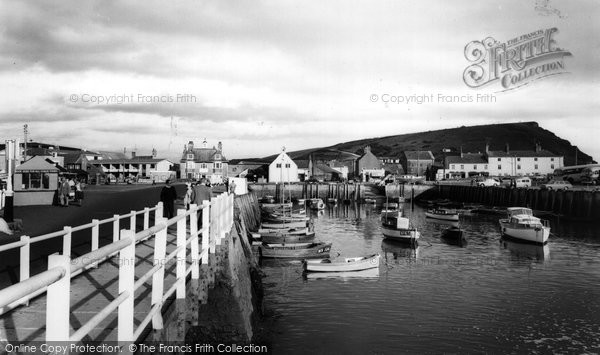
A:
[37,163]
[129,161]
[326,169]
[521,153]
[418,155]
[302,163]
[203,155]
[467,158]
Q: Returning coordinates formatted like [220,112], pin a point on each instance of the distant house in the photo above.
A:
[203,162]
[35,182]
[156,169]
[369,166]
[303,169]
[503,163]
[283,169]
[417,162]
[240,168]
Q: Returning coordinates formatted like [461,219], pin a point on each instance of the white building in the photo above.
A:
[503,163]
[283,169]
[149,168]
[203,162]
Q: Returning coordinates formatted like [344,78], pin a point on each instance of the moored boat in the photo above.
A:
[442,214]
[295,250]
[284,225]
[347,264]
[522,225]
[283,238]
[398,228]
[316,204]
[363,274]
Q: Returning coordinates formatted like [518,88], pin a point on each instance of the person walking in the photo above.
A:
[78,192]
[65,190]
[202,193]
[168,195]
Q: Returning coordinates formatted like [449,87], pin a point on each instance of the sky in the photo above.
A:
[262,75]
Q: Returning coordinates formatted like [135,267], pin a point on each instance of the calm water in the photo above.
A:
[486,296]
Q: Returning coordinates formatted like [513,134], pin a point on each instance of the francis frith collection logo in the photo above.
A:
[516,62]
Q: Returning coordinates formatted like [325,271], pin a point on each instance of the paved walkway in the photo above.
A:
[91,291]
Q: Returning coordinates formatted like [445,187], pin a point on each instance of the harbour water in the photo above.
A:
[488,295]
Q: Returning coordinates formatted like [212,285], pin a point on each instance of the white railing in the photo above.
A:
[2,194]
[56,280]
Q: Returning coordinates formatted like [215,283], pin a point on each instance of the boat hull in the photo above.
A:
[405,235]
[287,238]
[442,217]
[291,251]
[286,225]
[353,265]
[538,234]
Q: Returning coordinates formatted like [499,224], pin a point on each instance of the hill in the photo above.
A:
[519,136]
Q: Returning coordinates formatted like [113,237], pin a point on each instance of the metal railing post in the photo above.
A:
[132,221]
[181,254]
[58,301]
[67,241]
[116,228]
[146,218]
[126,284]
[195,253]
[206,230]
[160,247]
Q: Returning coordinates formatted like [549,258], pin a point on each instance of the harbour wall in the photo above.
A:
[575,205]
[231,309]
[340,191]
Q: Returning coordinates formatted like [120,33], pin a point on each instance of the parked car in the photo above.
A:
[488,182]
[516,182]
[556,185]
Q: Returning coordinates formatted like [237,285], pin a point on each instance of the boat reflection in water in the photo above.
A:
[524,250]
[398,251]
[363,274]
[454,236]
[444,223]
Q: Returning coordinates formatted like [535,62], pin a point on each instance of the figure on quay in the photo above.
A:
[168,195]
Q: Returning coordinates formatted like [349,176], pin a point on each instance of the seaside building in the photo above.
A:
[149,168]
[503,163]
[283,169]
[35,182]
[417,162]
[369,166]
[203,162]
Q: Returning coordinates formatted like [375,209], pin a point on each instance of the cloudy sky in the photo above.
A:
[260,75]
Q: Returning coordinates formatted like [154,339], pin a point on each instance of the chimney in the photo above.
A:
[461,152]
[367,149]
[507,148]
[154,152]
[487,148]
[220,146]
[190,145]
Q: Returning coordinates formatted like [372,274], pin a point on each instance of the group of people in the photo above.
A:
[67,189]
[195,193]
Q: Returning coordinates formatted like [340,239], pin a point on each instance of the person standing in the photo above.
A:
[189,196]
[232,187]
[202,193]
[78,192]
[65,190]
[168,195]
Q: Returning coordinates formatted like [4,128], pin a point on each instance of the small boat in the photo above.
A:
[348,264]
[363,274]
[316,204]
[454,236]
[398,228]
[442,214]
[279,231]
[332,200]
[287,238]
[295,250]
[522,225]
[276,205]
[283,225]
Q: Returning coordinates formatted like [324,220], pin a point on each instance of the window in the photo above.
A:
[217,165]
[551,159]
[551,166]
[499,167]
[203,166]
[278,165]
[190,156]
[462,167]
[535,159]
[474,167]
[518,159]
[519,167]
[287,165]
[152,166]
[485,167]
[535,167]
[452,166]
[499,159]
[35,181]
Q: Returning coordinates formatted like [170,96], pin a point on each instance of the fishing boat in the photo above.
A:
[454,236]
[316,204]
[442,214]
[398,228]
[284,238]
[522,225]
[348,264]
[363,274]
[284,225]
[295,250]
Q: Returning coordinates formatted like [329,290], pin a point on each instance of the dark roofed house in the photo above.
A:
[203,162]
[368,165]
[417,162]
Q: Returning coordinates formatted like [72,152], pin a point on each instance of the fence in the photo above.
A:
[217,220]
